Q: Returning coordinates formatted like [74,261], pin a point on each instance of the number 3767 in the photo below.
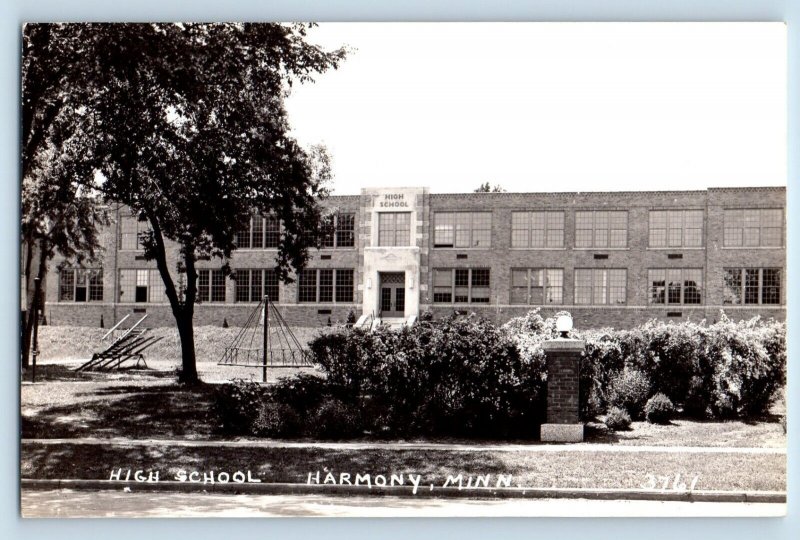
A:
[669,482]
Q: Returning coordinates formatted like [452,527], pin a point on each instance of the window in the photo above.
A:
[752,286]
[210,285]
[253,285]
[325,285]
[461,285]
[339,231]
[600,285]
[537,229]
[462,229]
[394,228]
[753,227]
[141,285]
[676,285]
[601,229]
[130,231]
[261,233]
[345,230]
[537,286]
[80,285]
[676,228]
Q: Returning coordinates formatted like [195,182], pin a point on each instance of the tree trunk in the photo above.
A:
[35,267]
[188,360]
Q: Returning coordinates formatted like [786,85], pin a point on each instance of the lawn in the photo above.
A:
[552,469]
[150,404]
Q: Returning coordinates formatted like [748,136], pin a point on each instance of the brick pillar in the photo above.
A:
[563,391]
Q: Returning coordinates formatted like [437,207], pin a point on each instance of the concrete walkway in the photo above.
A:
[270,443]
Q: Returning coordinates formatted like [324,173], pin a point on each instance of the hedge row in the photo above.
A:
[465,376]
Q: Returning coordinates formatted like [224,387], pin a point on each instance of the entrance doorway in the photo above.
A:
[393,294]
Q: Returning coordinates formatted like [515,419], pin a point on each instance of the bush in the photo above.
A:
[629,390]
[659,409]
[335,419]
[276,420]
[303,392]
[449,376]
[238,405]
[618,419]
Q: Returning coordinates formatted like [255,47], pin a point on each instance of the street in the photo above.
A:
[69,503]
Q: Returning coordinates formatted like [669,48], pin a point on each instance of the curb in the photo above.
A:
[449,492]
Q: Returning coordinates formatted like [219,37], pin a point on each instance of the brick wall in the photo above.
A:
[563,387]
[637,258]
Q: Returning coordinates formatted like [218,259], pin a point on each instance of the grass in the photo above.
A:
[150,404]
[74,343]
[756,472]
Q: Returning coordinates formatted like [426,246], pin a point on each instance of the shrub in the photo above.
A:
[238,404]
[335,419]
[618,419]
[302,392]
[629,390]
[454,375]
[276,420]
[659,409]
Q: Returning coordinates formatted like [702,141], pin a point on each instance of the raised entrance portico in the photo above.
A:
[392,249]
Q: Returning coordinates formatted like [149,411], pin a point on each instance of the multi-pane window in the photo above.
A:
[130,231]
[676,285]
[752,286]
[394,228]
[345,227]
[260,233]
[461,285]
[537,229]
[324,285]
[462,229]
[601,229]
[601,285]
[753,227]
[676,228]
[537,286]
[253,285]
[340,231]
[210,285]
[141,285]
[80,285]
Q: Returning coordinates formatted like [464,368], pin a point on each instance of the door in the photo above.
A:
[393,294]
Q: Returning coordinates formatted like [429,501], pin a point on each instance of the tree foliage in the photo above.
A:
[185,125]
[58,212]
[488,188]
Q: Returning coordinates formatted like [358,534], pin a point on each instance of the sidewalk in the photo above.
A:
[537,447]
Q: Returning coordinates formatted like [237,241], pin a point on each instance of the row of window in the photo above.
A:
[607,286]
[535,286]
[593,229]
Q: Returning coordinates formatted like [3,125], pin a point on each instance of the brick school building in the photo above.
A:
[610,258]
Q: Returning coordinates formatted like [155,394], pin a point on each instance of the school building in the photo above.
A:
[609,258]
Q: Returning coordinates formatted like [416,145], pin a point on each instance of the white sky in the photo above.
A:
[550,107]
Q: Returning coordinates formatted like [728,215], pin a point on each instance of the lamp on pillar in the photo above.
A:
[564,325]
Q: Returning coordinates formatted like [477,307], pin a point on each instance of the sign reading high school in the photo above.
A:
[393,200]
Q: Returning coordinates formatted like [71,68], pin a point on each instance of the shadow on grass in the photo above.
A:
[269,464]
[135,411]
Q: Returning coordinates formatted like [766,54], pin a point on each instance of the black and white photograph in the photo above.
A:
[403,269]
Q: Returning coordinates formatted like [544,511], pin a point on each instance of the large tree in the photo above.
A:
[59,214]
[189,131]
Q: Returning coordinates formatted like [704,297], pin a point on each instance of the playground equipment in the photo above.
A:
[126,345]
[266,340]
